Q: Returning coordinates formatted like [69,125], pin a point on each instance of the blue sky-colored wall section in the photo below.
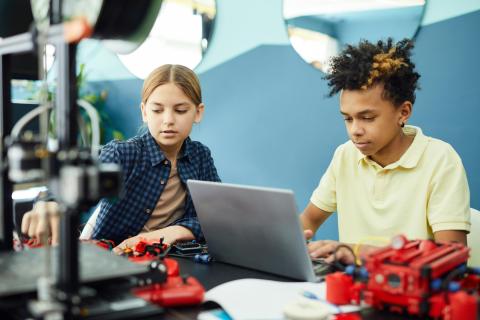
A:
[268,122]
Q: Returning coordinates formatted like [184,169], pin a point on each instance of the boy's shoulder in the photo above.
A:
[439,149]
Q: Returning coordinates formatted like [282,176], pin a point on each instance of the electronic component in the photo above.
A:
[188,248]
[203,258]
[321,268]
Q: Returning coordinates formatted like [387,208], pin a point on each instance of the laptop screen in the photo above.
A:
[252,227]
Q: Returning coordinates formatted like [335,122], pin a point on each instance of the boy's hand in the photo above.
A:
[308,234]
[326,248]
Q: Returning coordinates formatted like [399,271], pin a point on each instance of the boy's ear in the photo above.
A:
[144,112]
[405,111]
[199,113]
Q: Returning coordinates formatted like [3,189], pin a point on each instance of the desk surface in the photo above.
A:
[214,274]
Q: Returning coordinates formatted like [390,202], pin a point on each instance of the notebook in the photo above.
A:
[252,227]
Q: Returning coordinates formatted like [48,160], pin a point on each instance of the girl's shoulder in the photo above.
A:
[197,149]
[119,149]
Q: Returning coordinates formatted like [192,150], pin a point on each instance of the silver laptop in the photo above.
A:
[252,227]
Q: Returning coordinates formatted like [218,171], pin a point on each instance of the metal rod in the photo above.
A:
[17,44]
[68,276]
[56,11]
[6,224]
[24,42]
[66,100]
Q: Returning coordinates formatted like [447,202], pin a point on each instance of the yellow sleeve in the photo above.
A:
[325,195]
[449,200]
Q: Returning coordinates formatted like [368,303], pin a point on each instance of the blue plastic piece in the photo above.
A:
[454,286]
[363,272]
[436,284]
[350,269]
[203,258]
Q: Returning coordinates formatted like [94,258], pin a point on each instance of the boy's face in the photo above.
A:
[169,115]
[372,122]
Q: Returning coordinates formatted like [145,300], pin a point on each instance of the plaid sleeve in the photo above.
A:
[209,170]
[110,153]
[190,221]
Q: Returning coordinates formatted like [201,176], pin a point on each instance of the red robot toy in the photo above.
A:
[419,277]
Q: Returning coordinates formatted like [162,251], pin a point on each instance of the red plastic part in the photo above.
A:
[173,270]
[339,286]
[463,306]
[175,292]
[348,316]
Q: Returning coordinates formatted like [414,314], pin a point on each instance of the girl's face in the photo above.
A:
[170,115]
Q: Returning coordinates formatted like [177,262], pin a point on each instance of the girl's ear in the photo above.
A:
[199,113]
[144,112]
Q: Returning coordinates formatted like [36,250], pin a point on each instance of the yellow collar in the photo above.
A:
[411,157]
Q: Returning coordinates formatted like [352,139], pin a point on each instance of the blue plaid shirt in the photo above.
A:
[146,172]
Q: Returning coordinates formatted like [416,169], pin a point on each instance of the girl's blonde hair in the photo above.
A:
[180,75]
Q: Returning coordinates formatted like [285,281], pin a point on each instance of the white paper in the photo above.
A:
[257,299]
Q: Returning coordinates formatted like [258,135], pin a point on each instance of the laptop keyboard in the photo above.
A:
[322,268]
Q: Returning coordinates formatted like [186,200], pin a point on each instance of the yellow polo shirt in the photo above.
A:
[425,191]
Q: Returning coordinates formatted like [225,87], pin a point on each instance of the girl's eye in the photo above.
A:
[182,111]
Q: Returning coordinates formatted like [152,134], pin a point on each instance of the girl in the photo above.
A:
[156,166]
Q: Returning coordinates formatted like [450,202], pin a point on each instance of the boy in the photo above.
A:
[389,178]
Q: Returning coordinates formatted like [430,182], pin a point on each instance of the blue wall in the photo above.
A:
[268,122]
[371,25]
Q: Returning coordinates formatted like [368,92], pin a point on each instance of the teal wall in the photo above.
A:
[242,25]
[267,120]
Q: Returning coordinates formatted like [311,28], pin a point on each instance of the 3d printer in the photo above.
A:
[62,24]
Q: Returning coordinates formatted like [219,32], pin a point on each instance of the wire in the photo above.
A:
[29,116]
[89,109]
[356,249]
[335,259]
[95,119]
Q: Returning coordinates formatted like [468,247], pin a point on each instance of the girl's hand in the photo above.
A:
[39,229]
[169,234]
[127,243]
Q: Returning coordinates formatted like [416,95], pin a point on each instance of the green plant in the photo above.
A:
[98,100]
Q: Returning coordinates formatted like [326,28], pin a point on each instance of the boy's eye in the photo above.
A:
[347,119]
[368,118]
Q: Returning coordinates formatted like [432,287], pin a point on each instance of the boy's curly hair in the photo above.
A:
[368,64]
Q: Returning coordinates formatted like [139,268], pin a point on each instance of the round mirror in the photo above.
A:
[319,29]
[180,35]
